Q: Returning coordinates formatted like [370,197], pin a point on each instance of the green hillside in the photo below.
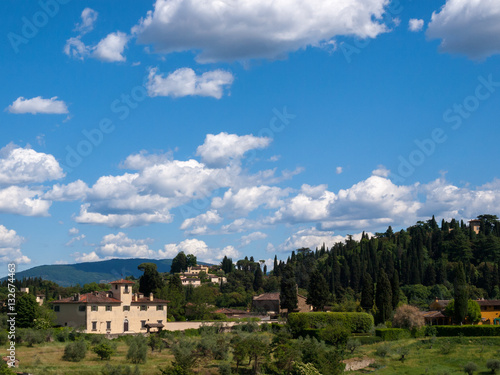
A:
[83,273]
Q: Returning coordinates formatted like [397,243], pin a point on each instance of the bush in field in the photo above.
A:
[352,345]
[493,365]
[225,368]
[185,354]
[120,370]
[335,334]
[32,336]
[383,349]
[75,351]
[5,369]
[470,367]
[408,317]
[305,369]
[104,350]
[137,350]
[155,343]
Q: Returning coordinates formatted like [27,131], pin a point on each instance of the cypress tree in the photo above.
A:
[317,293]
[383,297]
[461,293]
[395,289]
[258,280]
[367,292]
[288,289]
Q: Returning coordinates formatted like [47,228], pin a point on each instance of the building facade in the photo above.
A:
[118,311]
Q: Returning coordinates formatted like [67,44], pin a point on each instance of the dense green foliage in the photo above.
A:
[468,330]
[354,322]
[75,351]
[390,334]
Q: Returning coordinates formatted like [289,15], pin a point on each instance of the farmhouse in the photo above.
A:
[490,312]
[270,303]
[118,311]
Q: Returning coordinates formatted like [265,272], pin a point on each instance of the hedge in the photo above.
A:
[467,330]
[353,321]
[391,334]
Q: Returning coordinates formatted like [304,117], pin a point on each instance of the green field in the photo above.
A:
[422,356]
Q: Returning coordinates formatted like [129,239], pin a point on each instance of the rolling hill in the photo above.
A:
[83,273]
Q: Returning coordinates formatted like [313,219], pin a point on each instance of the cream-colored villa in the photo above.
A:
[118,311]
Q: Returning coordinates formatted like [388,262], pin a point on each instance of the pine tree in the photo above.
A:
[461,294]
[317,294]
[383,297]
[150,280]
[179,263]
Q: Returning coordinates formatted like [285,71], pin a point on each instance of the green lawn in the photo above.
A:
[443,356]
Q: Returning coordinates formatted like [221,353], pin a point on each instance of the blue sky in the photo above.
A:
[240,128]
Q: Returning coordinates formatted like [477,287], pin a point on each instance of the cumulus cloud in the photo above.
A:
[185,82]
[415,24]
[10,247]
[86,257]
[89,16]
[249,238]
[220,149]
[467,27]
[119,245]
[200,249]
[23,201]
[38,105]
[110,49]
[248,199]
[76,49]
[200,223]
[237,30]
[23,165]
[339,170]
[76,190]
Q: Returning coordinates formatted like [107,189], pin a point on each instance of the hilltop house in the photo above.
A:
[117,311]
[490,312]
[192,276]
[270,303]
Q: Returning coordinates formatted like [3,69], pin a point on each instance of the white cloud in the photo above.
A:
[469,27]
[110,49]
[24,165]
[199,224]
[23,201]
[249,238]
[248,199]
[200,249]
[415,24]
[89,16]
[339,170]
[220,149]
[76,49]
[10,244]
[236,30]
[75,239]
[86,257]
[73,191]
[119,245]
[73,231]
[185,82]
[38,105]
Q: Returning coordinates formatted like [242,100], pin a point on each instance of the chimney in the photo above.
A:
[60,297]
[151,296]
[77,297]
[134,297]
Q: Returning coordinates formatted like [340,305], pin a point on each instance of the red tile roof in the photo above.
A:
[267,297]
[493,302]
[122,281]
[94,297]
[146,300]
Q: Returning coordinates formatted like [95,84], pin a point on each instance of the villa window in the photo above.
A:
[126,289]
[108,326]
[57,308]
[108,308]
[81,308]
[126,308]
[94,326]
[143,324]
[159,307]
[144,308]
[93,308]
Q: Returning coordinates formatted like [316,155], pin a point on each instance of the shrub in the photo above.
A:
[137,350]
[305,369]
[352,345]
[31,336]
[335,335]
[75,351]
[408,317]
[493,365]
[225,368]
[5,369]
[470,367]
[468,330]
[104,350]
[391,334]
[446,347]
[120,370]
[355,322]
[368,340]
[383,349]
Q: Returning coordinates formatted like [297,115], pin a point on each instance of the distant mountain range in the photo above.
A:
[99,272]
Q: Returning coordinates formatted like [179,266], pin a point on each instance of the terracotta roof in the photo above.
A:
[94,297]
[225,310]
[122,281]
[267,297]
[432,314]
[146,300]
